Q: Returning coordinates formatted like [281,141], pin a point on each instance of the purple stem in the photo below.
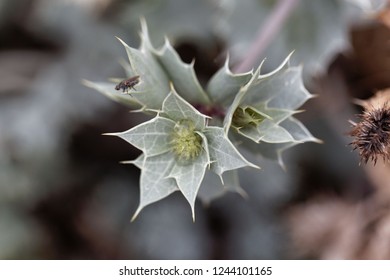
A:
[266,33]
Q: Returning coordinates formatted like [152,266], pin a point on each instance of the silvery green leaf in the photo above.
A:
[281,89]
[182,75]
[266,131]
[224,85]
[276,115]
[151,137]
[223,155]
[154,83]
[189,176]
[298,131]
[178,109]
[155,183]
[274,151]
[108,89]
[212,187]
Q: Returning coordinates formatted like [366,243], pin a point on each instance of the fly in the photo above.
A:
[127,84]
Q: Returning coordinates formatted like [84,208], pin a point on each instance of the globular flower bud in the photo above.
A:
[186,142]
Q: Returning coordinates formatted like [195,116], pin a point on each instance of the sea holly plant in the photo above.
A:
[178,146]
[191,140]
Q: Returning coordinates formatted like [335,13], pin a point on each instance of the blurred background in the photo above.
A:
[64,195]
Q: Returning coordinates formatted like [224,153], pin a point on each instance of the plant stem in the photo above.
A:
[266,33]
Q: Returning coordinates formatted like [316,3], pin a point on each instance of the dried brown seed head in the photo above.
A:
[372,133]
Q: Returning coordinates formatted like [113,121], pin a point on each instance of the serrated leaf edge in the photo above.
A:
[190,66]
[241,93]
[173,92]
